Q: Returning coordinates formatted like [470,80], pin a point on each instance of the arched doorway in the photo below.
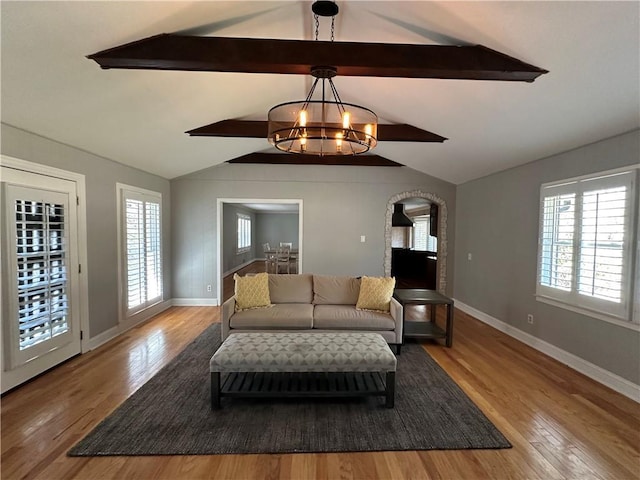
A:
[441,265]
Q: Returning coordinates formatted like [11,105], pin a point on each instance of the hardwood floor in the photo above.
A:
[562,425]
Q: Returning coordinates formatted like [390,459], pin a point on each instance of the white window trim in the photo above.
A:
[631,325]
[630,319]
[124,312]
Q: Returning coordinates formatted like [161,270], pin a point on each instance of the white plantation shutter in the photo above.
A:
[143,249]
[244,232]
[558,222]
[41,271]
[585,245]
[421,239]
[604,227]
[135,252]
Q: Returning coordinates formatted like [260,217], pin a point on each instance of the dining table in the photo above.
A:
[293,256]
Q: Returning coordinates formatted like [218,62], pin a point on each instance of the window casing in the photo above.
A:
[588,229]
[244,233]
[141,249]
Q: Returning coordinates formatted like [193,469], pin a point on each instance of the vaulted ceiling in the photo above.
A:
[139,117]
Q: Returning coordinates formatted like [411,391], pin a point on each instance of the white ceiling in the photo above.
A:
[138,118]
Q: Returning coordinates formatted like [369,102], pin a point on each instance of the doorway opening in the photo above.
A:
[244,226]
[416,251]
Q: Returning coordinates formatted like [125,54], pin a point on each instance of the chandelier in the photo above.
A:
[327,126]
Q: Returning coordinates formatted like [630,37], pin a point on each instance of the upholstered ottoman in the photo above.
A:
[303,364]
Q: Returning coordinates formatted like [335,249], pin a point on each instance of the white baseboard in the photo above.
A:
[143,316]
[599,374]
[101,339]
[195,302]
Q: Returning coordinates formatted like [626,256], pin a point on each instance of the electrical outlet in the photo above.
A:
[530,318]
[208,288]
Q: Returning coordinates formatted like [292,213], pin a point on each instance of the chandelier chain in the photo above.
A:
[317,22]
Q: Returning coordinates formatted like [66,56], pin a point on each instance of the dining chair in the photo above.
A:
[269,258]
[287,244]
[283,257]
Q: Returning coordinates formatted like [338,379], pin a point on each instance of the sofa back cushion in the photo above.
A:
[333,290]
[291,288]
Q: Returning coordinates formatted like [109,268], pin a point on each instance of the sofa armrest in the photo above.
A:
[228,309]
[397,313]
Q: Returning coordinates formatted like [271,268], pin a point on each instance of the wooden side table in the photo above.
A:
[419,296]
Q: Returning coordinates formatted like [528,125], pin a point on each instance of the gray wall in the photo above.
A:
[230,257]
[101,176]
[497,222]
[273,228]
[339,205]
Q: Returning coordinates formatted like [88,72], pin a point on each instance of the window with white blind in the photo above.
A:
[586,245]
[421,239]
[141,249]
[244,233]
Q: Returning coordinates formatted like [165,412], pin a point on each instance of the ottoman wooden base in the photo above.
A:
[302,384]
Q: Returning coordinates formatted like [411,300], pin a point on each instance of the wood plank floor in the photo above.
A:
[562,425]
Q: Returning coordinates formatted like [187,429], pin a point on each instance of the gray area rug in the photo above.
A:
[171,415]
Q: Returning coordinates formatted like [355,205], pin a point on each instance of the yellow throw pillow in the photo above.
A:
[252,291]
[375,293]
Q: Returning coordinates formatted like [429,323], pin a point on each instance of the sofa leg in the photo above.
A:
[398,345]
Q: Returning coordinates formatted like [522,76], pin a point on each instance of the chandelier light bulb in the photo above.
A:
[368,130]
[346,120]
[303,118]
[339,137]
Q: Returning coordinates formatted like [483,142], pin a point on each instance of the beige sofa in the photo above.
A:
[313,303]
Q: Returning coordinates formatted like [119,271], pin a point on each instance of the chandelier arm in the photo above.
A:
[336,95]
[295,127]
[313,88]
[341,111]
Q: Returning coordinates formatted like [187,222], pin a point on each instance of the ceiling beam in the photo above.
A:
[258,55]
[299,159]
[259,129]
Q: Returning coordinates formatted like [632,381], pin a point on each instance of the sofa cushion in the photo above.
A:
[291,288]
[346,317]
[293,315]
[251,291]
[375,293]
[333,290]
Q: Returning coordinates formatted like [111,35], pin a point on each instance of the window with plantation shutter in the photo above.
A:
[142,249]
[586,243]
[244,233]
[421,239]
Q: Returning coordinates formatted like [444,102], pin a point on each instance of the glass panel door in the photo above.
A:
[41,265]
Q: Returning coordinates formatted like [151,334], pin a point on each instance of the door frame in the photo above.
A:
[221,201]
[80,181]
